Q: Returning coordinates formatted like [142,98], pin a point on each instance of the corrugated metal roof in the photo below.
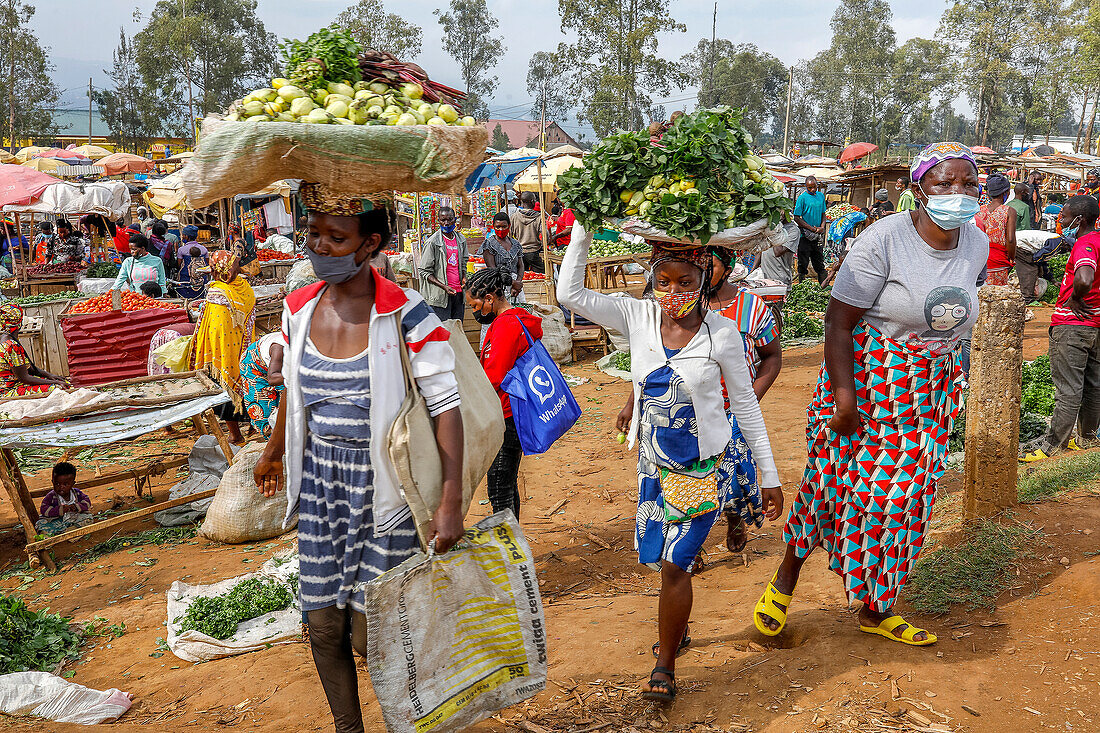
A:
[108,347]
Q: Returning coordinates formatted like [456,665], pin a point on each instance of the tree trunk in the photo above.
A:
[1088,131]
[1081,124]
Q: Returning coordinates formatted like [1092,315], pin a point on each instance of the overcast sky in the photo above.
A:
[81,42]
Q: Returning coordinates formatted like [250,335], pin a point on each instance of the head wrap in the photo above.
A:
[937,153]
[882,195]
[665,252]
[997,184]
[11,317]
[221,263]
[320,199]
[190,232]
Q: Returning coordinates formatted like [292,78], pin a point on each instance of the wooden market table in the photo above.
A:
[603,273]
[139,406]
[278,269]
[47,284]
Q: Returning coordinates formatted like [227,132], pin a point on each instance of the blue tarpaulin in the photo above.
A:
[497,174]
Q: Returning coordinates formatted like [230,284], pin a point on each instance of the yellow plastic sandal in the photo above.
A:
[886,630]
[767,605]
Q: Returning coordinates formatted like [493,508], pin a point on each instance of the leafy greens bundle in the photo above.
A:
[698,179]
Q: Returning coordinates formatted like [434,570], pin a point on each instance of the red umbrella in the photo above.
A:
[855,151]
[983,150]
[65,156]
[21,185]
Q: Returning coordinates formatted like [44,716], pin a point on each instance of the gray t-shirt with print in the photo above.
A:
[913,293]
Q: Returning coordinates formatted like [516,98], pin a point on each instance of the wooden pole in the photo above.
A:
[993,407]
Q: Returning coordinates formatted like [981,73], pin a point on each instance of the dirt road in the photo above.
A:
[1029,666]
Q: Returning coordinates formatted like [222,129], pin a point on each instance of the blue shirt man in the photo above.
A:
[809,214]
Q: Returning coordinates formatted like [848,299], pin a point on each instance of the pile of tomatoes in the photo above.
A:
[530,275]
[131,301]
[266,255]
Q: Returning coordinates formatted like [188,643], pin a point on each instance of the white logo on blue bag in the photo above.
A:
[540,383]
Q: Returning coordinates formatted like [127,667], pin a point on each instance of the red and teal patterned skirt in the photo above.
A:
[867,498]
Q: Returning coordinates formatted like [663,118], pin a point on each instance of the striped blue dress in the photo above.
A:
[336,543]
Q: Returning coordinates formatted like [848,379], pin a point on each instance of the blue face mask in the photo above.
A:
[952,210]
[1070,234]
[448,229]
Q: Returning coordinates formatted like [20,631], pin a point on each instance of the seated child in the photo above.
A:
[65,506]
[151,289]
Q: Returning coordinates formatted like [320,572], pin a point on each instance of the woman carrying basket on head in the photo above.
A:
[680,355]
[345,385]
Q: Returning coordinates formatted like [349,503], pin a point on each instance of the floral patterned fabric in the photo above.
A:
[13,355]
[260,398]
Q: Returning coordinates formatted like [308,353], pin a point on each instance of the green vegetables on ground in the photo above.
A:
[700,179]
[621,360]
[1057,265]
[800,324]
[1037,392]
[808,296]
[219,616]
[34,640]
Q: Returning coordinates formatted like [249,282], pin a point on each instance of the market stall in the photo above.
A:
[125,410]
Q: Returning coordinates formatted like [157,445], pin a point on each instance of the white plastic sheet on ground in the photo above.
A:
[453,638]
[257,633]
[45,695]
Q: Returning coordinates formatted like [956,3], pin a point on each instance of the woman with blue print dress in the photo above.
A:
[344,387]
[680,354]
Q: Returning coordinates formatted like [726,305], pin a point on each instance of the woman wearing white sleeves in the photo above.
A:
[680,356]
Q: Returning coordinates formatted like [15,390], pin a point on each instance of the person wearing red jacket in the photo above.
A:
[486,294]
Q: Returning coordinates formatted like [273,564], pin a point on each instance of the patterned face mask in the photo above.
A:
[677,305]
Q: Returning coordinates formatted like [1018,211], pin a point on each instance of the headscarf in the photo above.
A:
[882,195]
[937,153]
[665,252]
[997,185]
[321,199]
[221,264]
[11,317]
[190,233]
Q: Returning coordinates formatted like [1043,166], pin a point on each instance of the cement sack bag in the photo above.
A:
[48,696]
[239,512]
[755,237]
[1030,241]
[254,634]
[242,157]
[453,638]
[555,334]
[205,467]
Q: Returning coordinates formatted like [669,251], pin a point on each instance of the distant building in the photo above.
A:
[1062,144]
[525,133]
[72,128]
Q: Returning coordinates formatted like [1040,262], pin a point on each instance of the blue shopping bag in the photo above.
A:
[543,406]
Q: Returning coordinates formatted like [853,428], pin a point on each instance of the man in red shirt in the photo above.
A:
[563,228]
[1075,336]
